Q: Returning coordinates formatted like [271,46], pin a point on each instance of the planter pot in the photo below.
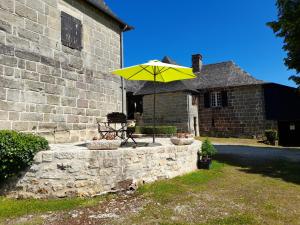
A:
[182,141]
[104,145]
[205,164]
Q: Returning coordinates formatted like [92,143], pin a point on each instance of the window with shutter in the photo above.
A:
[71,31]
[216,99]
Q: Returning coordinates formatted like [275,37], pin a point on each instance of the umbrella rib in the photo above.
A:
[147,70]
[138,72]
[164,70]
[183,72]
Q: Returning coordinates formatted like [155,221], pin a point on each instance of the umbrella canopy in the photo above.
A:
[156,71]
[162,72]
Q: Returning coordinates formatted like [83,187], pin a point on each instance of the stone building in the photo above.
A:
[229,103]
[176,104]
[55,59]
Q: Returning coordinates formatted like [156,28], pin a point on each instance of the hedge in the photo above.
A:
[158,130]
[17,151]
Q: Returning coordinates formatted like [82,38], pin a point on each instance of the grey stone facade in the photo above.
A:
[51,89]
[174,109]
[244,116]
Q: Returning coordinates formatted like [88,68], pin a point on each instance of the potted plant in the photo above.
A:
[182,139]
[271,137]
[206,154]
[108,142]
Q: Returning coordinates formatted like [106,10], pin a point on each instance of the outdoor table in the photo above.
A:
[120,130]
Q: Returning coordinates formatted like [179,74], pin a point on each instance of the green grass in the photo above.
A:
[231,193]
[167,190]
[243,219]
[10,208]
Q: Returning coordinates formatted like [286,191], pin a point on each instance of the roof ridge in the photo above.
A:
[224,62]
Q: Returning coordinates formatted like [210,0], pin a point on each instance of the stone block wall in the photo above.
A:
[171,109]
[243,117]
[75,171]
[48,88]
[193,117]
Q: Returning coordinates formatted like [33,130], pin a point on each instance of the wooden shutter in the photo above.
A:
[224,98]
[71,31]
[207,100]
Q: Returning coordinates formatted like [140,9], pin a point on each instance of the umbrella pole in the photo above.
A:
[154,103]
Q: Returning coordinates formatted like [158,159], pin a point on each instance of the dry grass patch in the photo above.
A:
[236,141]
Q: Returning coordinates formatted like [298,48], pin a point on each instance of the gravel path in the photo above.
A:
[259,153]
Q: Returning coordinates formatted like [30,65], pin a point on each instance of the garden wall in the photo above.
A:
[69,170]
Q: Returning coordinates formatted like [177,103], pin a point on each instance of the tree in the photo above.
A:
[288,27]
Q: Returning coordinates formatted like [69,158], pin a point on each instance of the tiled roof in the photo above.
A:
[224,74]
[218,75]
[101,5]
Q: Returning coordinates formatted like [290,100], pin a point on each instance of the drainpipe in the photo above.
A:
[188,112]
[122,65]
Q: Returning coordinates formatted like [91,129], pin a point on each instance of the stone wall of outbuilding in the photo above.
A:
[48,88]
[172,109]
[68,170]
[243,117]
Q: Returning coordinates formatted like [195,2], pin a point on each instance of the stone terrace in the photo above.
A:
[73,170]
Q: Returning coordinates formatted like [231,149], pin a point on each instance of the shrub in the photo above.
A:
[271,136]
[158,130]
[207,149]
[17,151]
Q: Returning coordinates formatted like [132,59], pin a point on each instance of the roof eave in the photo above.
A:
[169,91]
[230,86]
[124,26]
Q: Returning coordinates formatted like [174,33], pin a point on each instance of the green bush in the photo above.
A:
[158,130]
[207,149]
[17,151]
[271,136]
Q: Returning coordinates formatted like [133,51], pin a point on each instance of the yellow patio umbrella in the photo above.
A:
[156,71]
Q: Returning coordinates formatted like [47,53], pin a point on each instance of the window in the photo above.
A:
[216,99]
[194,100]
[71,31]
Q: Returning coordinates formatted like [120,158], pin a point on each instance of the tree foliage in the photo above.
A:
[288,27]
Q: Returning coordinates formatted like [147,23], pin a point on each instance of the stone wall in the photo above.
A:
[243,117]
[193,116]
[51,89]
[75,171]
[171,109]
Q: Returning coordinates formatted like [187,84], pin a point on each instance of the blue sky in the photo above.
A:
[219,30]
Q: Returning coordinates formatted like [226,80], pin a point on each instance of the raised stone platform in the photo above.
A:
[73,170]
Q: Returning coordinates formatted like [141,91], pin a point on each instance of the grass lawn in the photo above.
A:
[12,208]
[236,141]
[231,193]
